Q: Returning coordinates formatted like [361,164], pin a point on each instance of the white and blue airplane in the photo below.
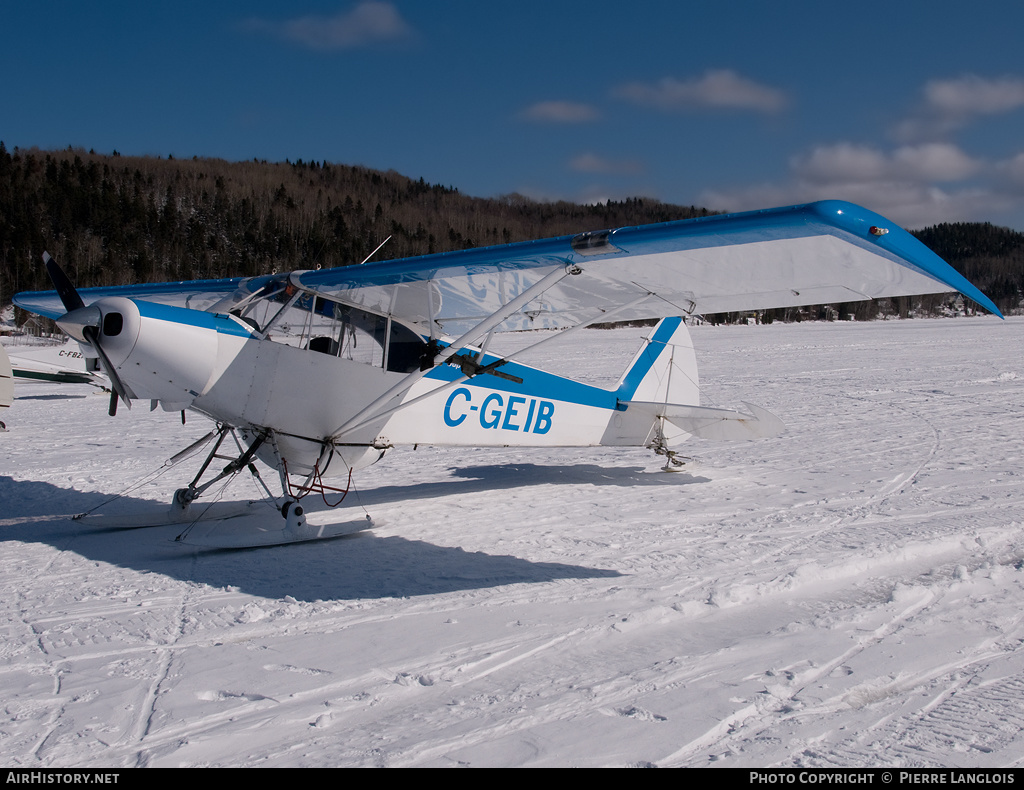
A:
[317,373]
[65,364]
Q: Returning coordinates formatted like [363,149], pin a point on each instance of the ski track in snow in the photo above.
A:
[847,594]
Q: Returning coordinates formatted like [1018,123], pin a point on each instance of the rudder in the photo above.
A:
[664,370]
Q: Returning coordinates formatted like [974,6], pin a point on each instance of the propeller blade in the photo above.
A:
[83,324]
[65,290]
[92,337]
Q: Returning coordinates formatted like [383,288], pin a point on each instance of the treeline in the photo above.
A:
[113,220]
[989,256]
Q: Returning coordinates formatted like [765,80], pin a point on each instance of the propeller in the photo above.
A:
[83,324]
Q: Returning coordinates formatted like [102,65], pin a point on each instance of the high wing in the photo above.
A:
[198,294]
[816,253]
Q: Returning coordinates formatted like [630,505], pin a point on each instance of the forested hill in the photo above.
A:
[115,219]
[989,256]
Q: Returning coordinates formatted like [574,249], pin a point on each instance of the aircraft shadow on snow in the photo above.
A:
[496,477]
[53,396]
[357,566]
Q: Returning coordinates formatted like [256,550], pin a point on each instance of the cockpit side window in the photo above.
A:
[361,335]
[327,327]
[405,349]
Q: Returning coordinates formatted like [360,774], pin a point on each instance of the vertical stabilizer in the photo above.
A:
[664,370]
[660,394]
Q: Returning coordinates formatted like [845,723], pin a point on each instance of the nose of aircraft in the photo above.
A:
[118,327]
[84,323]
[78,320]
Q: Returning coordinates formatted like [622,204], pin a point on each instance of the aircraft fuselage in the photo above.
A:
[221,366]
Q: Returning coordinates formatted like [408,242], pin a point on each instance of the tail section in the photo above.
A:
[664,370]
[660,397]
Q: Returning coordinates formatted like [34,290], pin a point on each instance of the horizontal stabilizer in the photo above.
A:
[716,424]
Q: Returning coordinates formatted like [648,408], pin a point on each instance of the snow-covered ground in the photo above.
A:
[846,594]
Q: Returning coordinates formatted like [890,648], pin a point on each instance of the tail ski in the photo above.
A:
[660,392]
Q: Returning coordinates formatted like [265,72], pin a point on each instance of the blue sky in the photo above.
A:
[913,109]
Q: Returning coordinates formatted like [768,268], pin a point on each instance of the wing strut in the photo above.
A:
[372,411]
[601,316]
[503,313]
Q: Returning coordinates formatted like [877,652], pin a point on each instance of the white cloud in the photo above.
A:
[1010,175]
[368,23]
[908,204]
[1014,169]
[854,164]
[951,104]
[934,162]
[840,162]
[592,163]
[901,184]
[717,88]
[925,181]
[973,95]
[560,112]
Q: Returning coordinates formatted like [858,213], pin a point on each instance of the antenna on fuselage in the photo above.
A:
[375,251]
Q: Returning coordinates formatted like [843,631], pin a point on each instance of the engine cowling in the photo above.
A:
[160,352]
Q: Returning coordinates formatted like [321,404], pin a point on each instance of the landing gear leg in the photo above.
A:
[673,461]
[184,497]
[296,527]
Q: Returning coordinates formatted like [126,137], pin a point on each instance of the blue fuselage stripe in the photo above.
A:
[181,315]
[541,384]
[536,384]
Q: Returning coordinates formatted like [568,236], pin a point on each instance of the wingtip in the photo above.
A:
[884,233]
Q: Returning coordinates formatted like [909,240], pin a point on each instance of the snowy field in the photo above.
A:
[848,594]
